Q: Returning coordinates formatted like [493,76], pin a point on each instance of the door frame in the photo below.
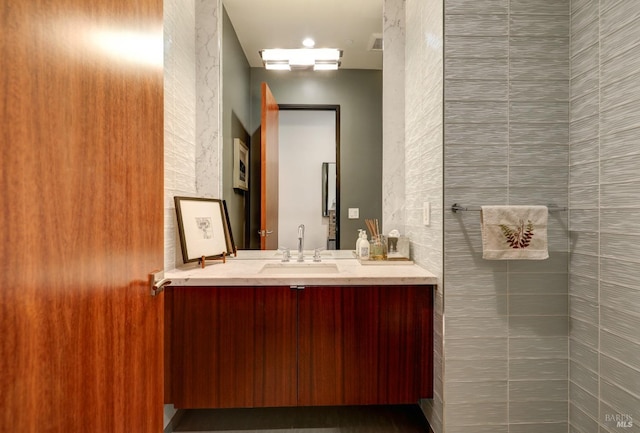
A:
[336,109]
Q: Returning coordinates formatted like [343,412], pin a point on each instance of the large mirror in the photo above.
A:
[355,26]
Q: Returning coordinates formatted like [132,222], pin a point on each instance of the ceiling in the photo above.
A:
[344,24]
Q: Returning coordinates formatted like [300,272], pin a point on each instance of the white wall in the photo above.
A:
[307,139]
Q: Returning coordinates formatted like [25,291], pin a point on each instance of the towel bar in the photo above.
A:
[459,208]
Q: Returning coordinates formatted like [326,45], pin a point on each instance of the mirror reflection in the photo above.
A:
[355,90]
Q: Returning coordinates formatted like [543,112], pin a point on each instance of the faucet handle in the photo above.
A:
[316,254]
[286,253]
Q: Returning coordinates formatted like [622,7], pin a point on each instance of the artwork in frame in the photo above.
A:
[203,226]
[240,165]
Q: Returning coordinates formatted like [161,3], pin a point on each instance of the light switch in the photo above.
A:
[354,213]
[426,213]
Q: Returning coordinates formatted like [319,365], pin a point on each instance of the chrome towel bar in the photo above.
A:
[459,208]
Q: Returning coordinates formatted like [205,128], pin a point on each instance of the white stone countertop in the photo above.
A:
[264,268]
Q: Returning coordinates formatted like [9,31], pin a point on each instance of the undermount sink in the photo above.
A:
[298,268]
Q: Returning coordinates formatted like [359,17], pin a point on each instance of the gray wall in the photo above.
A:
[422,163]
[604,192]
[505,142]
[236,76]
[359,94]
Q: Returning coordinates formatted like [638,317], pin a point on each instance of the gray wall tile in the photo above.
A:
[490,47]
[584,82]
[613,19]
[476,25]
[518,112]
[538,369]
[583,399]
[620,323]
[548,427]
[539,7]
[476,68]
[463,370]
[547,347]
[538,305]
[620,298]
[494,391]
[582,376]
[619,143]
[582,422]
[529,91]
[476,90]
[585,356]
[539,25]
[476,7]
[538,48]
[620,375]
[537,411]
[619,67]
[584,332]
[538,390]
[478,412]
[619,398]
[538,326]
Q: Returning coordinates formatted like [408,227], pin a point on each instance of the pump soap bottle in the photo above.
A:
[364,247]
[358,242]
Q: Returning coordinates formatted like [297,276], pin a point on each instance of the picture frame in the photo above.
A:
[204,229]
[240,165]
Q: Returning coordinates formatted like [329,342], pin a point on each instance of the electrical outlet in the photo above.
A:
[426,213]
[354,213]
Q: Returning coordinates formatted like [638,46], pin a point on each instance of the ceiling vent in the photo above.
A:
[375,42]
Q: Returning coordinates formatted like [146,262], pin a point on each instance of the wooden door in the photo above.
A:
[81,144]
[269,171]
[234,347]
[363,345]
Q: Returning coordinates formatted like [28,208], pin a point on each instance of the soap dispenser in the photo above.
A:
[364,247]
[358,242]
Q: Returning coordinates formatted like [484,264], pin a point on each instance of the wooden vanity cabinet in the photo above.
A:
[277,346]
[233,347]
[364,345]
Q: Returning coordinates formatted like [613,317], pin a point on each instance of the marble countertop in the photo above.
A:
[337,268]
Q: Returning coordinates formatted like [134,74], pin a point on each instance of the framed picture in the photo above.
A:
[240,165]
[203,226]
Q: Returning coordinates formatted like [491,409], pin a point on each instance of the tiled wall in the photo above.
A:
[208,98]
[179,116]
[393,116]
[604,193]
[423,170]
[179,123]
[506,142]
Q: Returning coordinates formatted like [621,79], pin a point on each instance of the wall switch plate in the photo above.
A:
[354,213]
[426,213]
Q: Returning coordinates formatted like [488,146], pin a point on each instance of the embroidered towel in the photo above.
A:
[514,232]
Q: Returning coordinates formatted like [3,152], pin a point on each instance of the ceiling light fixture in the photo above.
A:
[301,58]
[309,43]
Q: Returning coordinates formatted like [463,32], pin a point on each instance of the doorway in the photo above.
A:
[309,140]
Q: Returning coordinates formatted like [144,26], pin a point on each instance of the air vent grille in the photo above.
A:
[376,43]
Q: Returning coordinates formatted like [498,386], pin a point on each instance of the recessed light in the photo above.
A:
[309,43]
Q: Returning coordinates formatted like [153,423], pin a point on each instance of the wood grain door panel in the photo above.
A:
[269,170]
[82,220]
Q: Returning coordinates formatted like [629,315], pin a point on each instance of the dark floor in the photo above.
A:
[344,419]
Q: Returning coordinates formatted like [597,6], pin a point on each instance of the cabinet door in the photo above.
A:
[362,345]
[233,347]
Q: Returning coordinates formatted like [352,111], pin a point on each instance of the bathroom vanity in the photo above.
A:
[255,332]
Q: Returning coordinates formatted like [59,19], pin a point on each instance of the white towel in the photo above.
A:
[514,232]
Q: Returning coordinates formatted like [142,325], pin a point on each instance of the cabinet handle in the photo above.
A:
[297,287]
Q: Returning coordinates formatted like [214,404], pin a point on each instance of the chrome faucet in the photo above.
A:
[301,243]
